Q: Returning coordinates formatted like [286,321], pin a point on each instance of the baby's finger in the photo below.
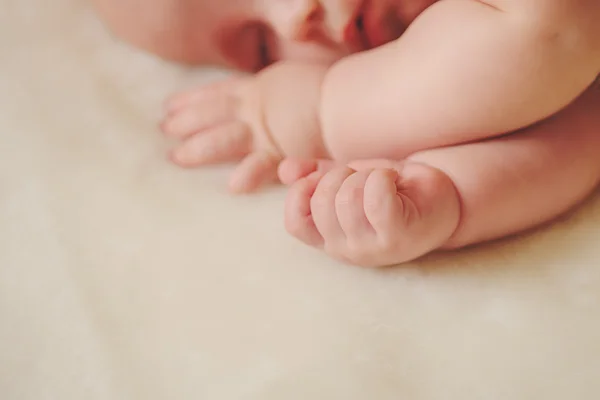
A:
[384,207]
[197,118]
[224,143]
[322,204]
[204,92]
[298,217]
[255,170]
[361,165]
[349,207]
[293,169]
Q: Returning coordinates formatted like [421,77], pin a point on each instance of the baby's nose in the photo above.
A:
[300,20]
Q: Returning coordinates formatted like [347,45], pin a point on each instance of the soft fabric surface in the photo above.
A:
[122,277]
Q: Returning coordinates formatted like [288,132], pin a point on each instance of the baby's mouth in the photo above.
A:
[371,28]
[354,34]
[359,24]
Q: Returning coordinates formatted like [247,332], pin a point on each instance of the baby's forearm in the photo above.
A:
[515,182]
[462,72]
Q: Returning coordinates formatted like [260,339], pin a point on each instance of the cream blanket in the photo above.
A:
[122,277]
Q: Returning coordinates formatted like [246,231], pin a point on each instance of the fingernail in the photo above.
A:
[177,157]
[393,175]
[237,188]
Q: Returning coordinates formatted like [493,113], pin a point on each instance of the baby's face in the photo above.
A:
[251,34]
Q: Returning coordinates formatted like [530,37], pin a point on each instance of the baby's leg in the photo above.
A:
[448,197]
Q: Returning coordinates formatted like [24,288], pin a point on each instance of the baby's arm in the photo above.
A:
[464,70]
[448,197]
[516,182]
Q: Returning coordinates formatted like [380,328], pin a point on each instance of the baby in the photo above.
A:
[392,133]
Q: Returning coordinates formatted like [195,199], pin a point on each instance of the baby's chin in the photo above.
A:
[311,52]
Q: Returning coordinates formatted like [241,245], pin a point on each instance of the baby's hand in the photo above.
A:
[257,119]
[372,213]
[222,123]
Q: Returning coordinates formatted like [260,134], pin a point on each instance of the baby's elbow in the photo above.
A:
[565,33]
[573,23]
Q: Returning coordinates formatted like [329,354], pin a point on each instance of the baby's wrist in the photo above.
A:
[292,97]
[308,147]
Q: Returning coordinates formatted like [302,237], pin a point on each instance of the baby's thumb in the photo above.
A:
[255,170]
[294,169]
[361,165]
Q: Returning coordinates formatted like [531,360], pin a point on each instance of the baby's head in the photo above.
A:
[250,34]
